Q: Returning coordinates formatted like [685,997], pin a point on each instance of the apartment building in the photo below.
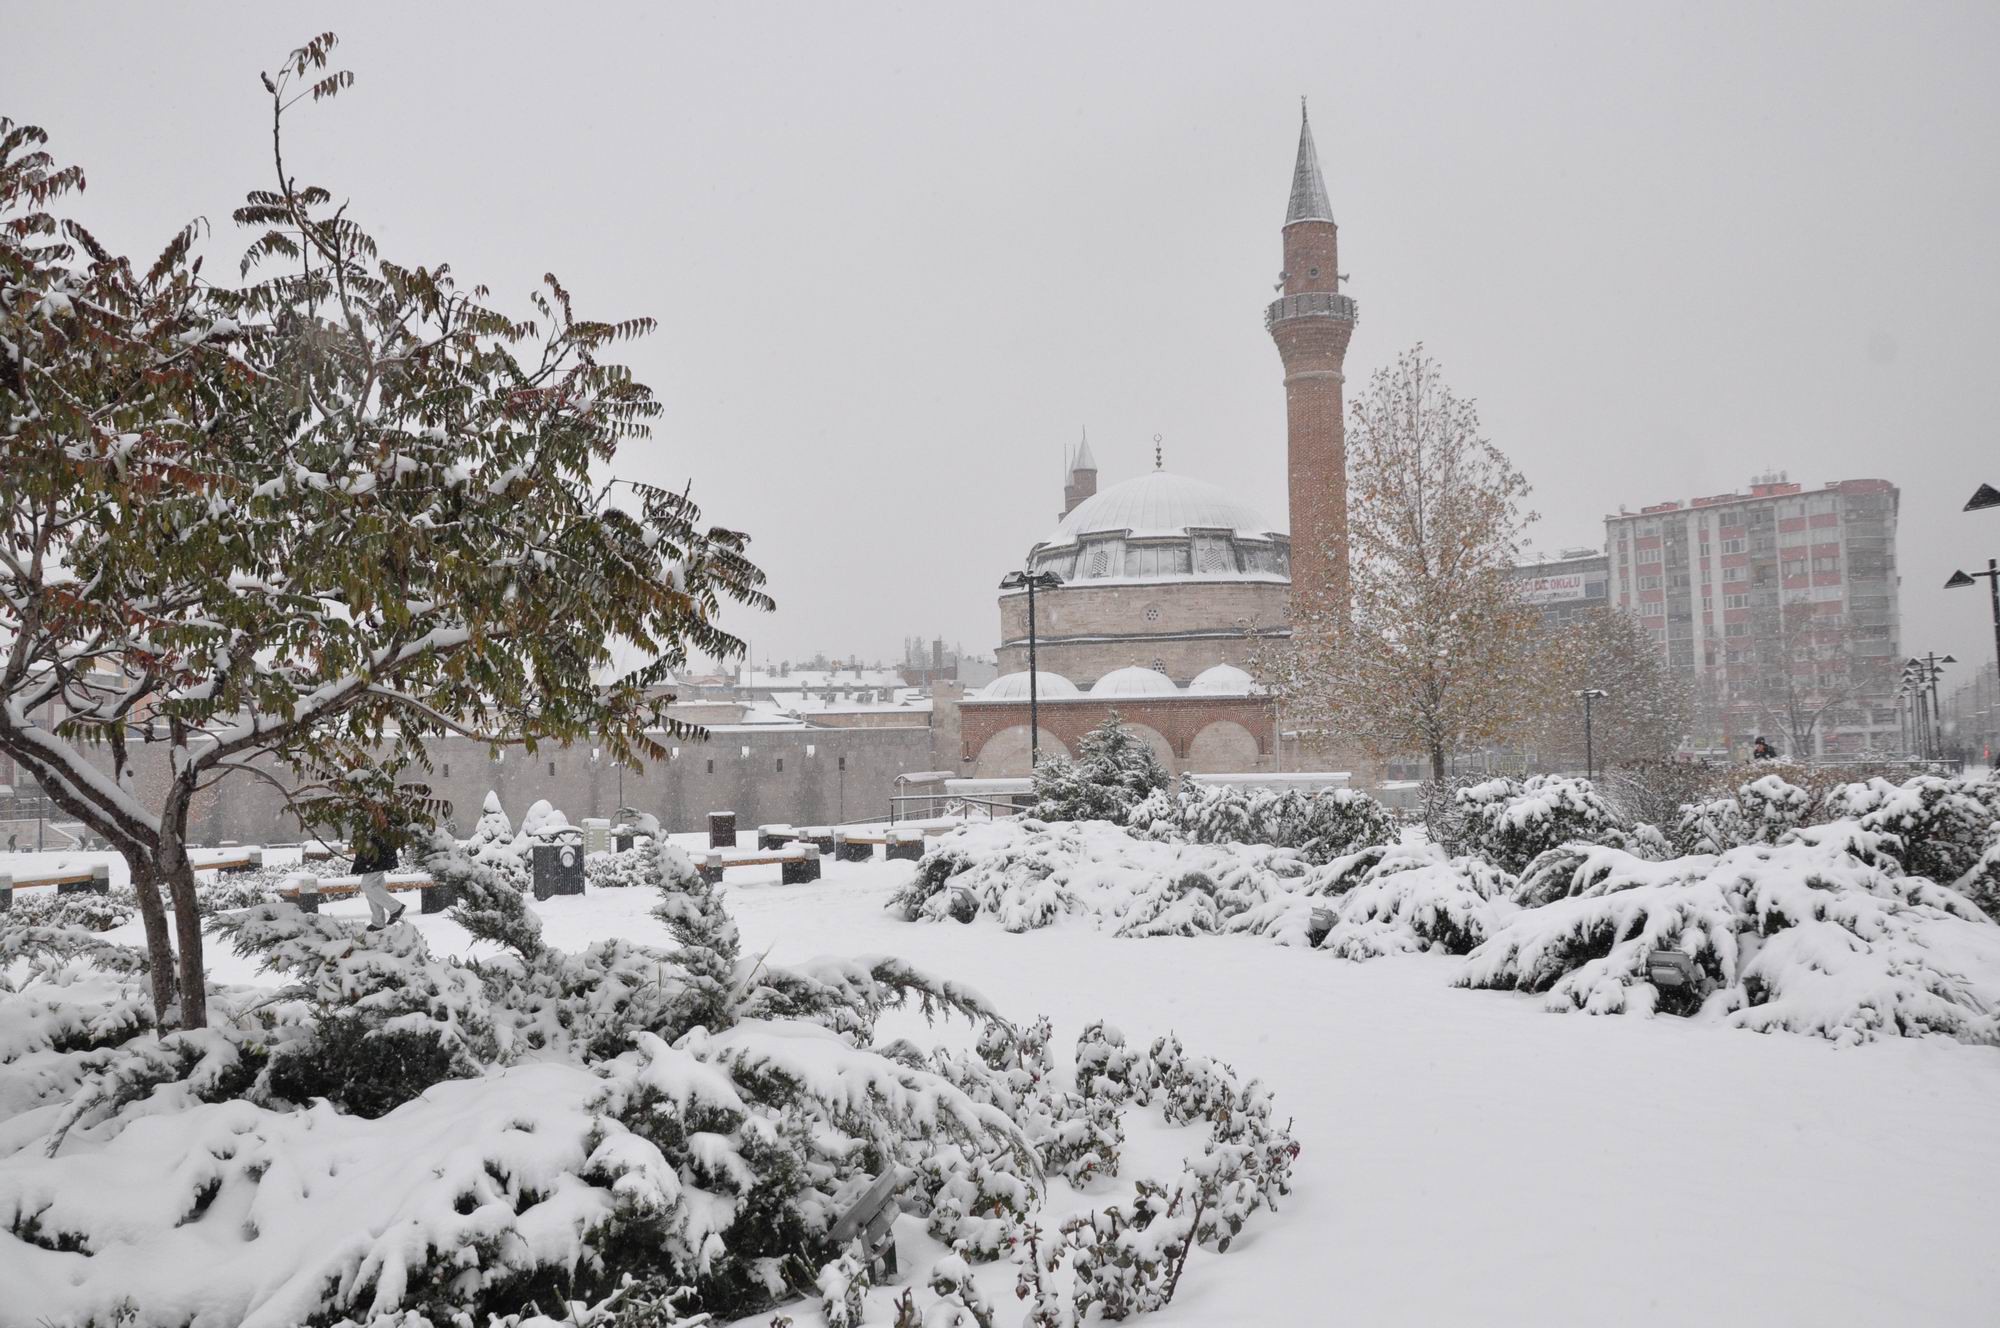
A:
[1780,603]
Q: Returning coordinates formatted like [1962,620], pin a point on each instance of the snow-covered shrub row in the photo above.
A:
[619,1136]
[1819,933]
[397,1132]
[44,907]
[1378,900]
[1027,874]
[1823,932]
[1321,826]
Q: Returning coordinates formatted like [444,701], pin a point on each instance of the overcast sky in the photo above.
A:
[901,255]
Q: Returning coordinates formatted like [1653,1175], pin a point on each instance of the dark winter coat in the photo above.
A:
[374,851]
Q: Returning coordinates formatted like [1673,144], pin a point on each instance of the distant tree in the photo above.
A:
[1646,709]
[1434,649]
[311,521]
[1801,673]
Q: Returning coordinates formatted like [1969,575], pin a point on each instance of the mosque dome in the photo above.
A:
[1133,681]
[1223,680]
[1014,686]
[1160,526]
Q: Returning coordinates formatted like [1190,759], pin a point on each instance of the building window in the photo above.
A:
[1649,555]
[552,767]
[1828,564]
[711,767]
[812,749]
[1152,613]
[1735,601]
[843,763]
[1649,583]
[781,765]
[447,770]
[1735,545]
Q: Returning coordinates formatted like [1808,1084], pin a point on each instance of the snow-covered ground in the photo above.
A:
[1467,1157]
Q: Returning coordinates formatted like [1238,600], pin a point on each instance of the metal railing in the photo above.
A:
[1310,304]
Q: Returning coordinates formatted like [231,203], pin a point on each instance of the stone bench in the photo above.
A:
[433,897]
[797,864]
[89,880]
[896,844]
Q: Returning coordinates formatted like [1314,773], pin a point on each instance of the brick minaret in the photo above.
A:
[1311,322]
[1082,476]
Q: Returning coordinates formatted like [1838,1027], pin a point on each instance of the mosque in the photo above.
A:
[1168,584]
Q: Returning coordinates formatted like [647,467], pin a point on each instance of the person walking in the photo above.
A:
[374,859]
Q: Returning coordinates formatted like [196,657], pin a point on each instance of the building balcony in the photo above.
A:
[1311,304]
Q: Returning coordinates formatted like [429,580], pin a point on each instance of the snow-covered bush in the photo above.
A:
[85,909]
[1941,826]
[1760,812]
[1817,934]
[630,868]
[1510,822]
[1114,771]
[1319,826]
[1414,898]
[1028,874]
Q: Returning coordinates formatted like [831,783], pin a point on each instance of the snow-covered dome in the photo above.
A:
[1162,527]
[1133,681]
[1223,680]
[1160,503]
[1014,686]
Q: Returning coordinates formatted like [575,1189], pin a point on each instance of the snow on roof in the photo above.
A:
[1014,686]
[1223,680]
[1161,503]
[1134,681]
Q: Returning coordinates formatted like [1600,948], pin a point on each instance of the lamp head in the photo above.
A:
[1958,580]
[1983,497]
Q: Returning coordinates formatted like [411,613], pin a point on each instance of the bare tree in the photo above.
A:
[1801,672]
[1433,649]
[1646,707]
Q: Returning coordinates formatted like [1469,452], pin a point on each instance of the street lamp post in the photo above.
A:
[1031,582]
[1960,580]
[1922,673]
[1589,694]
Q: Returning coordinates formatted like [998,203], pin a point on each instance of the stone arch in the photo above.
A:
[1005,754]
[1223,747]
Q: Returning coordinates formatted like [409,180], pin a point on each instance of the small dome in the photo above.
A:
[1014,686]
[1133,681]
[1223,680]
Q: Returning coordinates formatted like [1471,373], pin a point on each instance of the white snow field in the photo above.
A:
[1468,1158]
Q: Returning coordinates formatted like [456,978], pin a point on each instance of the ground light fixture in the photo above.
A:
[1031,582]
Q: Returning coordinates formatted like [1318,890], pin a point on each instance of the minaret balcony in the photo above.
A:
[1310,304]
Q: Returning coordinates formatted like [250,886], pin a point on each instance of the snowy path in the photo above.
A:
[1470,1159]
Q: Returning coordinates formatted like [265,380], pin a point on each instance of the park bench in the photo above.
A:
[310,890]
[859,846]
[797,864]
[873,1220]
[92,880]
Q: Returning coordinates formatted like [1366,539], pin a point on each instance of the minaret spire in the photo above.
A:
[1309,201]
